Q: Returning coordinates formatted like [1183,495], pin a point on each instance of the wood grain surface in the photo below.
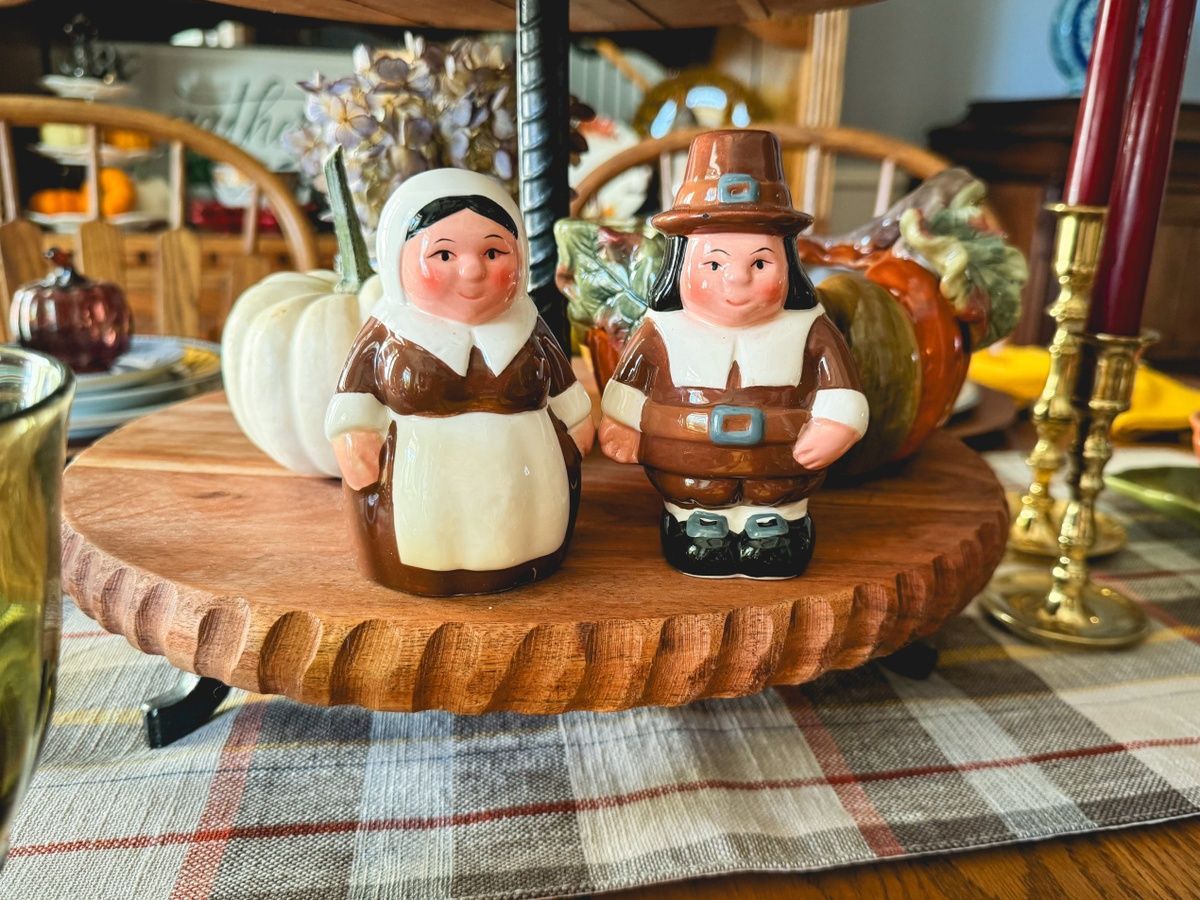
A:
[184,538]
[586,15]
[1147,861]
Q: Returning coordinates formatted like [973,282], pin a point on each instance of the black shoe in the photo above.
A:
[773,547]
[703,545]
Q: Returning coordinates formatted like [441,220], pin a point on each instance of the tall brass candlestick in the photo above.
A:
[1064,606]
[1036,515]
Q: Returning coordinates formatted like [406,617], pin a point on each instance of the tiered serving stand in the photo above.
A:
[184,538]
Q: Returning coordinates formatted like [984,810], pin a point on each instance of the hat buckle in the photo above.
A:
[738,187]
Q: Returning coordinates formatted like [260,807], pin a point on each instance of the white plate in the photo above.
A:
[196,372]
[84,427]
[80,155]
[149,357]
[68,223]
[85,88]
[169,389]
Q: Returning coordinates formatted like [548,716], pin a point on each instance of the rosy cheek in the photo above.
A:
[433,279]
[701,288]
[768,289]
[503,275]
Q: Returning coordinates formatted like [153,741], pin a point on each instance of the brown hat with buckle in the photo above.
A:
[733,182]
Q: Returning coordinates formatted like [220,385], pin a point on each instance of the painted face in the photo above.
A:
[734,279]
[464,267]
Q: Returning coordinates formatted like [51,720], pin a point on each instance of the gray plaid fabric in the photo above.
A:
[1005,742]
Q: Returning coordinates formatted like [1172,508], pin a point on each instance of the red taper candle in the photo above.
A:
[1102,106]
[1141,176]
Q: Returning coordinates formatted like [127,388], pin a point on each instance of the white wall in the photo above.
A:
[915,64]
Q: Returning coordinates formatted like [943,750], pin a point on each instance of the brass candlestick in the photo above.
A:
[1064,606]
[1036,515]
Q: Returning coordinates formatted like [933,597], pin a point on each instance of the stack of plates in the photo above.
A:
[156,372]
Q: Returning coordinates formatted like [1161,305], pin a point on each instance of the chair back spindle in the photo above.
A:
[10,204]
[250,267]
[20,241]
[178,274]
[95,210]
[886,186]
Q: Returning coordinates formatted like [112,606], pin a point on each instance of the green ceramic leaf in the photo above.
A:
[606,270]
[977,267]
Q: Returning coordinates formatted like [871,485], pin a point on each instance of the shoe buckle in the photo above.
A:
[707,525]
[768,526]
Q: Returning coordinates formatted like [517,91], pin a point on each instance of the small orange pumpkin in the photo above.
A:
[117,193]
[53,201]
[124,139]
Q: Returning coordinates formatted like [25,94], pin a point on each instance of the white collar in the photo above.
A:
[769,354]
[499,340]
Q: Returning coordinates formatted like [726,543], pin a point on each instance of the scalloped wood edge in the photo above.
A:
[613,664]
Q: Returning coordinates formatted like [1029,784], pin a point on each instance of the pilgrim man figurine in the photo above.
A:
[458,423]
[736,392]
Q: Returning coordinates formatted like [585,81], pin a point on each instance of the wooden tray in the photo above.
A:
[184,538]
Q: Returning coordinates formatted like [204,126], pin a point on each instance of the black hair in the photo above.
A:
[436,210]
[664,294]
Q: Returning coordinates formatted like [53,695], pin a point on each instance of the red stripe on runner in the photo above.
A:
[99,632]
[198,873]
[592,804]
[848,787]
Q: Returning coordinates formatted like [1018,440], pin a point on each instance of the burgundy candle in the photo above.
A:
[1141,176]
[1098,127]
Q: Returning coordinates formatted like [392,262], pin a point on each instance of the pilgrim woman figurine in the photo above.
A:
[458,424]
[736,392]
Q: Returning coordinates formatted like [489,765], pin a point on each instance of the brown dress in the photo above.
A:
[677,448]
[410,381]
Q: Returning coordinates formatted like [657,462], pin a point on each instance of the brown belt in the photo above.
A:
[724,424]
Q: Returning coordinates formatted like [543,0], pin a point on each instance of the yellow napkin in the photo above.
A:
[1160,403]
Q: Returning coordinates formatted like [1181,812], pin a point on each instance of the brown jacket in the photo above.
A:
[409,380]
[677,421]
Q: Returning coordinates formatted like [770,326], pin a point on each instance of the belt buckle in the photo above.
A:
[743,437]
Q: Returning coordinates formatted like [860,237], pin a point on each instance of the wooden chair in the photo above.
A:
[99,244]
[895,157]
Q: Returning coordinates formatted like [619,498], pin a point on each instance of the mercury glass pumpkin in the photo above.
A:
[83,323]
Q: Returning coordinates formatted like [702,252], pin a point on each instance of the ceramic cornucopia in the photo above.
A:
[914,293]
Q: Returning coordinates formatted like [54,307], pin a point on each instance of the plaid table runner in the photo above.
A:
[1005,742]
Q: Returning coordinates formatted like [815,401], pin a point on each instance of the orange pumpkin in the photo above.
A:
[123,139]
[940,342]
[54,201]
[117,193]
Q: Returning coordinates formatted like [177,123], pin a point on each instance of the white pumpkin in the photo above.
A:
[282,350]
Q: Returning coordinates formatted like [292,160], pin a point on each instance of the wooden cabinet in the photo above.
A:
[1021,149]
[217,290]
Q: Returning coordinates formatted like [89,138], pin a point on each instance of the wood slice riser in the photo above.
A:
[319,650]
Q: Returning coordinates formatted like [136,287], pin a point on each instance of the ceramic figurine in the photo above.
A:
[736,392]
[458,424]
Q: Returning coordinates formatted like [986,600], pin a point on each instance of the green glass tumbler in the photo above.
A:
[35,398]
